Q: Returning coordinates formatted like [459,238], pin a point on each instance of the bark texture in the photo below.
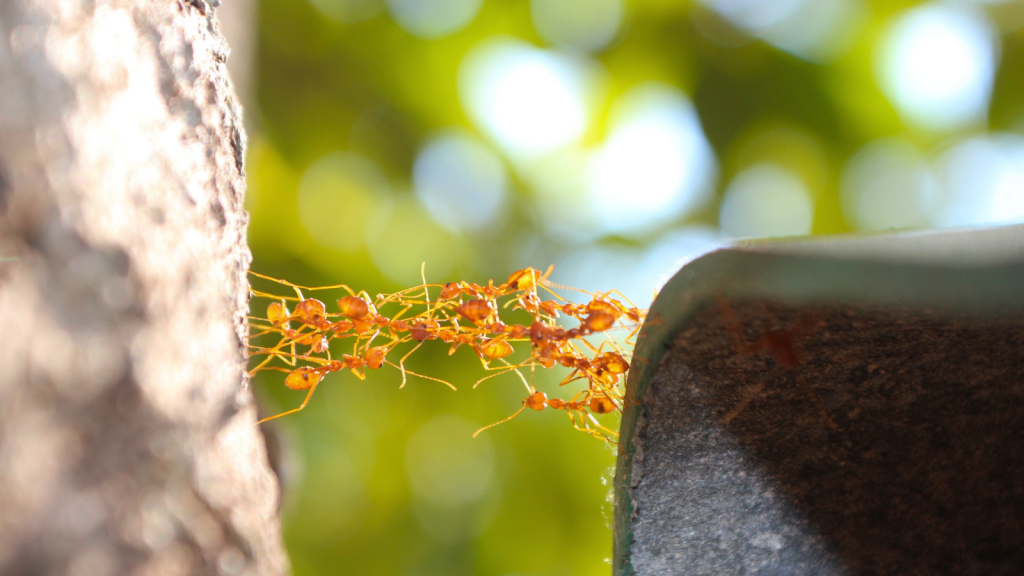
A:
[128,442]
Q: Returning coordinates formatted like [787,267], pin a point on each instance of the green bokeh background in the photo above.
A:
[374,89]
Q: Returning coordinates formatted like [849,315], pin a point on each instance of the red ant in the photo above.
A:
[782,345]
[598,403]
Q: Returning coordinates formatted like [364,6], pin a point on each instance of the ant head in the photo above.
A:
[537,400]
[525,279]
[450,290]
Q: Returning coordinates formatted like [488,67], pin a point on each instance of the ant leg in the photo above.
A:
[370,339]
[260,294]
[503,370]
[596,433]
[547,284]
[748,397]
[591,346]
[572,418]
[426,291]
[602,436]
[255,322]
[448,384]
[398,296]
[629,339]
[297,287]
[272,353]
[401,312]
[261,366]
[817,402]
[401,363]
[285,356]
[516,413]
[573,377]
[364,295]
[293,410]
[621,295]
[735,328]
[264,331]
[515,368]
[630,399]
[600,426]
[544,276]
[608,339]
[269,368]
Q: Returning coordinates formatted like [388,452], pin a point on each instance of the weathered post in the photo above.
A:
[875,430]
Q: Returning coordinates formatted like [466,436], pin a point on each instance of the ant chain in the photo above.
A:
[460,314]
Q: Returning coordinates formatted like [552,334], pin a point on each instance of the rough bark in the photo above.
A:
[127,431]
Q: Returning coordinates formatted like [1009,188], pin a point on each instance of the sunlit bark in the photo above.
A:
[127,430]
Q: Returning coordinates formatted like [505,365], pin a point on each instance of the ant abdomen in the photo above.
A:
[353,307]
[478,310]
[302,378]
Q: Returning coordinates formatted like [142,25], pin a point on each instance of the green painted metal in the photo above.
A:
[980,271]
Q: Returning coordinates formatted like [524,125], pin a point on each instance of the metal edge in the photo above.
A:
[742,272]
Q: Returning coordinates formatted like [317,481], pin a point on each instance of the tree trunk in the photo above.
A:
[128,441]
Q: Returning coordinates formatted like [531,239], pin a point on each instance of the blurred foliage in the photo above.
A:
[374,90]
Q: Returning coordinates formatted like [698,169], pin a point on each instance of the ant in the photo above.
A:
[781,344]
[598,403]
